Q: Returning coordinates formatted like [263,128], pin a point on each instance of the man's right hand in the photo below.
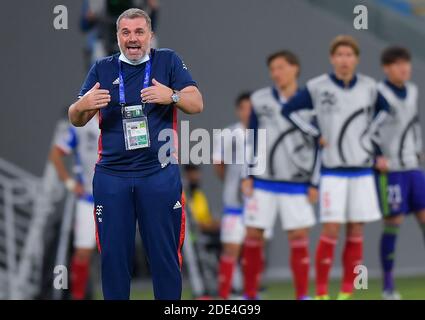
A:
[79,190]
[247,187]
[94,99]
[322,142]
[74,186]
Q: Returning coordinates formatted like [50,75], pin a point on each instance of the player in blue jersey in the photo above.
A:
[402,181]
[137,93]
[349,111]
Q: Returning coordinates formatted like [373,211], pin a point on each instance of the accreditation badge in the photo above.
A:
[135,127]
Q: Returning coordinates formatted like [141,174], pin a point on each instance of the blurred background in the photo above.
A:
[224,44]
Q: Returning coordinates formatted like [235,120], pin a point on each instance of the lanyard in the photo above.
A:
[121,84]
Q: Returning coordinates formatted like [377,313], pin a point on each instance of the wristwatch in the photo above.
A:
[175,96]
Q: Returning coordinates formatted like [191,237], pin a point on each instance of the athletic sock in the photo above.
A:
[79,277]
[252,264]
[300,265]
[324,260]
[352,256]
[225,276]
[387,248]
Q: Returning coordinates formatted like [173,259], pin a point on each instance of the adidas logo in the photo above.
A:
[177,205]
[116,81]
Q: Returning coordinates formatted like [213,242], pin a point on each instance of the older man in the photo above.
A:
[137,94]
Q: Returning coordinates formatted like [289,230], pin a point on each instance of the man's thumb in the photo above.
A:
[156,83]
[96,86]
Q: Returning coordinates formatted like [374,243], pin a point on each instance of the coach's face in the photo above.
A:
[344,60]
[282,72]
[134,38]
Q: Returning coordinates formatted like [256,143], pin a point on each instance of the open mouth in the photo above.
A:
[132,49]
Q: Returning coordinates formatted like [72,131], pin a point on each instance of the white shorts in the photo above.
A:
[84,226]
[348,199]
[232,228]
[294,209]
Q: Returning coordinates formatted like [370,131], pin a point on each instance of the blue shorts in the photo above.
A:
[402,192]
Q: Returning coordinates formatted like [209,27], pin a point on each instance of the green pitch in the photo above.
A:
[411,288]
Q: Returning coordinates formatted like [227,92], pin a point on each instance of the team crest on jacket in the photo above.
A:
[328,101]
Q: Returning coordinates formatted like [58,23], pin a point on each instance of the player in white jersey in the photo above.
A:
[82,144]
[285,187]
[227,146]
[348,110]
[402,181]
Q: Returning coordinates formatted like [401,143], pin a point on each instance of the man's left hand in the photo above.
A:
[157,93]
[382,164]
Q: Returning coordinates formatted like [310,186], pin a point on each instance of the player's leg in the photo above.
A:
[232,236]
[116,227]
[228,260]
[299,261]
[333,200]
[420,216]
[363,207]
[80,272]
[393,192]
[417,197]
[351,257]
[297,216]
[325,257]
[161,219]
[387,253]
[252,261]
[84,243]
[260,212]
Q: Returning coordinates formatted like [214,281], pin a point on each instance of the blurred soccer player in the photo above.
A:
[232,225]
[284,188]
[82,144]
[349,110]
[198,201]
[402,182]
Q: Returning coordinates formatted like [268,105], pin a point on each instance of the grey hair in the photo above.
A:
[132,14]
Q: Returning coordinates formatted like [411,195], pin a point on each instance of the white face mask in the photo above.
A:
[123,58]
